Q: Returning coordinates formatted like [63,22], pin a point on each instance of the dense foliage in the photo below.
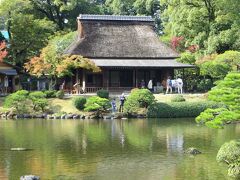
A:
[179,109]
[60,94]
[96,103]
[79,102]
[227,91]
[39,100]
[229,153]
[138,99]
[103,93]
[50,93]
[24,102]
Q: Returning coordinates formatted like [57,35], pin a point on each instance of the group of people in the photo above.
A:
[122,99]
[177,84]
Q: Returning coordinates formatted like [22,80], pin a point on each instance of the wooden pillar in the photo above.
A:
[136,75]
[134,78]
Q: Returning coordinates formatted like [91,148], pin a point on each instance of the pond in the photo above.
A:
[115,149]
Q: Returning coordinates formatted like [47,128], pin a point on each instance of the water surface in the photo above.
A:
[107,150]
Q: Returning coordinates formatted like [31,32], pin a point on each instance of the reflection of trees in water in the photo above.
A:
[79,147]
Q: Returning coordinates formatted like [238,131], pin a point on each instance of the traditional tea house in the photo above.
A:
[126,48]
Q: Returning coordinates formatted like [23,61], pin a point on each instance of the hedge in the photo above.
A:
[179,109]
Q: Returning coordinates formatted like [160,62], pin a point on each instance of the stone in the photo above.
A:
[69,116]
[192,151]
[76,116]
[20,116]
[39,116]
[27,116]
[63,116]
[29,177]
[107,117]
[82,117]
[49,117]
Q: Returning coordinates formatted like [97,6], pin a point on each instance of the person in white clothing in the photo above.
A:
[179,85]
[150,85]
[169,85]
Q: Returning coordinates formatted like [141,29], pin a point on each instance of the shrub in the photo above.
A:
[39,100]
[138,100]
[179,109]
[178,98]
[96,103]
[18,101]
[50,93]
[229,153]
[79,102]
[60,94]
[103,93]
[204,85]
[216,118]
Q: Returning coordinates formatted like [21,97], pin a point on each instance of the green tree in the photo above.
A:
[28,34]
[54,63]
[63,13]
[213,25]
[227,91]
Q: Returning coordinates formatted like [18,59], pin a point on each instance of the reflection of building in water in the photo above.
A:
[84,144]
[117,131]
[174,141]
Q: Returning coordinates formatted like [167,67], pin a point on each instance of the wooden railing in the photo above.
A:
[95,89]
[92,89]
[111,89]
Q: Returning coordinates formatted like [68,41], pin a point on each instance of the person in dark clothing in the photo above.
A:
[122,100]
[114,106]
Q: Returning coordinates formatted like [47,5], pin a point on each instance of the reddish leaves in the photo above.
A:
[3,51]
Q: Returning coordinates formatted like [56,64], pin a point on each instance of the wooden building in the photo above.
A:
[8,79]
[126,48]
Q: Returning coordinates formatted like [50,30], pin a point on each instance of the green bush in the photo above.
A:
[103,93]
[96,103]
[138,100]
[50,93]
[178,98]
[204,85]
[216,118]
[229,153]
[60,94]
[18,100]
[179,109]
[39,100]
[79,102]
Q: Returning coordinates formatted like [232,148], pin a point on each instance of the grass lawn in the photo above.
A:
[62,105]
[1,101]
[188,97]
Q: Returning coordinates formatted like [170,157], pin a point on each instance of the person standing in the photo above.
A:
[180,85]
[122,100]
[142,84]
[150,85]
[6,83]
[114,106]
[169,85]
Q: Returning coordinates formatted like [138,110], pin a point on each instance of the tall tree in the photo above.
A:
[27,33]
[64,12]
[213,25]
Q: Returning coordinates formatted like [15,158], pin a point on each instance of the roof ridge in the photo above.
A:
[115,17]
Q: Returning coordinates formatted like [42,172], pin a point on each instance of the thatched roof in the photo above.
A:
[102,36]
